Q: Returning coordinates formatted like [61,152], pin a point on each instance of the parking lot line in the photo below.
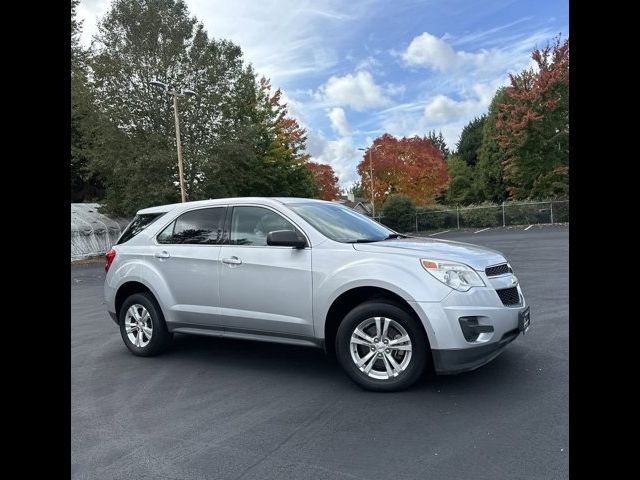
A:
[438,233]
[483,230]
[528,228]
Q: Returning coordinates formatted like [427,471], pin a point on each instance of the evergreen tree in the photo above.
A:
[470,140]
[490,185]
[438,141]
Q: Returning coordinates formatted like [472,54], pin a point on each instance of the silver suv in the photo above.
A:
[310,272]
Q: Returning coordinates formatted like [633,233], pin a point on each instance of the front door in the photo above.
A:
[264,288]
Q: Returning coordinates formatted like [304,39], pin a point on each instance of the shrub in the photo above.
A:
[483,215]
[436,218]
[399,213]
[526,214]
[561,211]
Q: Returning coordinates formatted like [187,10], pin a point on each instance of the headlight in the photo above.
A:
[455,275]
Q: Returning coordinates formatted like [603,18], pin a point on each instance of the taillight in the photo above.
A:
[111,254]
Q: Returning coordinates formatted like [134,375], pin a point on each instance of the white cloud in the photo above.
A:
[394,89]
[440,113]
[88,12]
[443,109]
[284,39]
[430,51]
[341,154]
[426,50]
[368,63]
[339,122]
[358,91]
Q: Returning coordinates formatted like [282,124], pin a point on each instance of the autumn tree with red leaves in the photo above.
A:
[325,179]
[410,166]
[532,126]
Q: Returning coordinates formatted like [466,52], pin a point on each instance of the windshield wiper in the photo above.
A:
[396,235]
[391,236]
[366,240]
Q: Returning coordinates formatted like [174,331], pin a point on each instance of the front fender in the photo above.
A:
[338,272]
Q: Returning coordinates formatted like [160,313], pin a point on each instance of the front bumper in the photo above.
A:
[452,361]
[452,352]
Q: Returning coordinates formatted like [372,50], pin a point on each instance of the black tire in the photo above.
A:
[419,346]
[160,336]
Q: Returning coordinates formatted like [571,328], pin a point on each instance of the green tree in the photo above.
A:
[281,166]
[489,177]
[237,137]
[357,190]
[462,188]
[139,41]
[438,141]
[399,213]
[470,140]
[84,121]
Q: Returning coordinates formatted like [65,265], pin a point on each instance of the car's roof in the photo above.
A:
[228,201]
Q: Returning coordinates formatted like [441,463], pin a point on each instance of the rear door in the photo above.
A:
[187,255]
[264,288]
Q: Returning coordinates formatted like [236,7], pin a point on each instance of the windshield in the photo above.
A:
[341,223]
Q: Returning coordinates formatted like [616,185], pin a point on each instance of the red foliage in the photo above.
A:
[325,179]
[410,166]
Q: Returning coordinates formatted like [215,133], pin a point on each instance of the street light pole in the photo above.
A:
[175,95]
[373,203]
[180,167]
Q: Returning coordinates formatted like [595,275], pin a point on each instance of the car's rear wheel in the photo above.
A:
[381,347]
[142,325]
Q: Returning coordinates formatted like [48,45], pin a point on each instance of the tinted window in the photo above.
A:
[251,225]
[341,223]
[202,226]
[138,224]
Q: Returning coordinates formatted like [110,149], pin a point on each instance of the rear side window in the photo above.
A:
[138,224]
[202,227]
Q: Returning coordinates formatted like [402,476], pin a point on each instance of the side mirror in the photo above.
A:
[286,238]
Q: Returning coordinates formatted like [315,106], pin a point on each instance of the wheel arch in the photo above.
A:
[351,298]
[129,288]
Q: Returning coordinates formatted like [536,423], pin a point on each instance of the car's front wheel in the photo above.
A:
[381,347]
[142,325]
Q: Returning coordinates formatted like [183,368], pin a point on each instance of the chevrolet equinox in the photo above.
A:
[311,272]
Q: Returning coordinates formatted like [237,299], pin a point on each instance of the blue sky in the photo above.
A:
[353,70]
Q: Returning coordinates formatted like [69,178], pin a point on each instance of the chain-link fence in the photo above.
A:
[507,214]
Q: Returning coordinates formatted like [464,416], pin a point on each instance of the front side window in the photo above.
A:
[200,227]
[251,225]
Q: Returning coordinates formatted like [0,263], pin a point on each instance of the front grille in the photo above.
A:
[509,296]
[497,270]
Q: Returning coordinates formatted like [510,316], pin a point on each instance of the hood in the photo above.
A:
[475,256]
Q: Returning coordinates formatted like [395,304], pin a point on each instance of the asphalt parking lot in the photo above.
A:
[225,409]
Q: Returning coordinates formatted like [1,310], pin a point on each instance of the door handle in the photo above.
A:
[162,254]
[232,261]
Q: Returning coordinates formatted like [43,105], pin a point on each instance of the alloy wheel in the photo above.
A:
[138,325]
[381,348]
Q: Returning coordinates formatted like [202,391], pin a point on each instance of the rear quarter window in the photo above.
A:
[138,224]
